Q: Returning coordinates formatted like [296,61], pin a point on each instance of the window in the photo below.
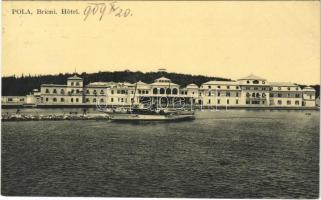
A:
[263,82]
[72,83]
[62,100]
[175,91]
[279,95]
[94,100]
[247,82]
[237,87]
[255,82]
[255,88]
[55,91]
[77,83]
[147,92]
[218,94]
[289,95]
[297,95]
[72,99]
[9,99]
[77,99]
[112,91]
[102,92]
[62,91]
[279,88]
[237,94]
[162,91]
[77,91]
[228,87]
[209,93]
[101,100]
[253,94]
[47,99]
[209,87]
[209,101]
[87,92]
[22,99]
[139,92]
[218,86]
[219,101]
[288,102]
[279,102]
[95,92]
[112,99]
[297,88]
[236,101]
[289,88]
[168,91]
[155,91]
[87,100]
[228,94]
[228,101]
[297,102]
[248,94]
[247,102]
[47,91]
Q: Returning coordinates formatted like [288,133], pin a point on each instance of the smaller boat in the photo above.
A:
[144,117]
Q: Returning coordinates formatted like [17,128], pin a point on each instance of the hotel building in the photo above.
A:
[250,91]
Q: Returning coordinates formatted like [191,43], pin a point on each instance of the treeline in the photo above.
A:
[16,86]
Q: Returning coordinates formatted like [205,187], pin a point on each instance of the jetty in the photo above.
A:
[53,117]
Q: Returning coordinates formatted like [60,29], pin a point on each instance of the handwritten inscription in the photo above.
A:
[101,9]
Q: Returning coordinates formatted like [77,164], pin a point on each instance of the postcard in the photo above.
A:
[160,99]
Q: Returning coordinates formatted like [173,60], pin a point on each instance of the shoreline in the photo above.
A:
[187,107]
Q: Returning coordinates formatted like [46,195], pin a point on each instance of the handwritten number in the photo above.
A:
[100,9]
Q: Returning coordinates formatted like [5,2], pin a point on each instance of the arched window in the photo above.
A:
[155,91]
[77,83]
[258,95]
[101,91]
[248,94]
[77,91]
[87,92]
[162,91]
[168,91]
[47,90]
[175,91]
[253,94]
[62,91]
[94,99]
[62,99]
[72,99]
[101,100]
[55,91]
[54,99]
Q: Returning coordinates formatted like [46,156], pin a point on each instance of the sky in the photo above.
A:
[279,41]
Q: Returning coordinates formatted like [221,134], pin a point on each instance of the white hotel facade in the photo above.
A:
[250,91]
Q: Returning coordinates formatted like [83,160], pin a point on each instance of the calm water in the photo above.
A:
[234,154]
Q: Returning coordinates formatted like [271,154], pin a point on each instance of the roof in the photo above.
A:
[164,84]
[287,84]
[163,79]
[309,89]
[75,77]
[221,83]
[192,85]
[252,77]
[141,83]
[52,85]
[100,84]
